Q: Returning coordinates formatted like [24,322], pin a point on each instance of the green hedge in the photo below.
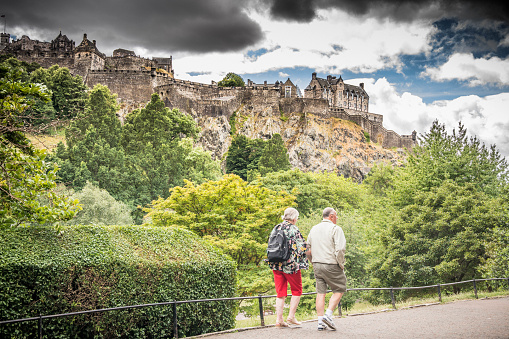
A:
[52,271]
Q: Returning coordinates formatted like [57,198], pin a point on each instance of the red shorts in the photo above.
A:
[281,281]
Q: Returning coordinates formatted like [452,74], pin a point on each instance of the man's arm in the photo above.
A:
[308,252]
[340,246]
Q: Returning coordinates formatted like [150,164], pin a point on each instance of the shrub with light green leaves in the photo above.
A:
[74,268]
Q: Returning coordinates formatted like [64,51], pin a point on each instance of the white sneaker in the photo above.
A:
[321,327]
[328,321]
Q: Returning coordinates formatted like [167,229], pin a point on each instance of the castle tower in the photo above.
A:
[5,40]
[87,57]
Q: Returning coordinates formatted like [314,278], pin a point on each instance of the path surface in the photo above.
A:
[486,318]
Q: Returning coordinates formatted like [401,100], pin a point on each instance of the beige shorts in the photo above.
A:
[329,275]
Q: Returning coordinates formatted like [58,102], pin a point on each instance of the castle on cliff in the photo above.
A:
[134,79]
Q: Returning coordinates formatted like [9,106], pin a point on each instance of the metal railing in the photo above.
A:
[260,298]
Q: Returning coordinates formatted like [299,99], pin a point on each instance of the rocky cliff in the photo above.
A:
[314,142]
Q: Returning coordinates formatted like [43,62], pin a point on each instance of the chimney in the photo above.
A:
[362,85]
[84,36]
[313,76]
[93,42]
[329,78]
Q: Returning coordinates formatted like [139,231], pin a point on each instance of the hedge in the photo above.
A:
[52,271]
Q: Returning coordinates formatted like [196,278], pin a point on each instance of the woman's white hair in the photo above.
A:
[290,214]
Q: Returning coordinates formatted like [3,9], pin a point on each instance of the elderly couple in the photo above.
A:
[325,247]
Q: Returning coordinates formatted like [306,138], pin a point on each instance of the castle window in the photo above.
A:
[288,92]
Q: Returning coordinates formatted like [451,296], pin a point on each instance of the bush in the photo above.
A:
[75,268]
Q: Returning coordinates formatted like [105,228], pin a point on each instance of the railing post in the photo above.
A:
[175,327]
[475,289]
[260,306]
[339,309]
[392,299]
[40,326]
[439,293]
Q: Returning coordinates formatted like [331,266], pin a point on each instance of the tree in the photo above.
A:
[437,214]
[198,164]
[441,237]
[100,113]
[100,208]
[157,125]
[274,157]
[230,213]
[231,80]
[243,155]
[68,92]
[441,156]
[25,176]
[315,191]
[136,163]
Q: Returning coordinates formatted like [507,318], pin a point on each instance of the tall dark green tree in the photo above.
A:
[243,155]
[274,157]
[439,211]
[101,114]
[68,92]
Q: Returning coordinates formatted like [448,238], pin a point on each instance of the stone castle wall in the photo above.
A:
[211,100]
[128,62]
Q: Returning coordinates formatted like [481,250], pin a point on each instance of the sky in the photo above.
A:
[420,60]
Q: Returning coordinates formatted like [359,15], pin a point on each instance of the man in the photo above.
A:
[326,250]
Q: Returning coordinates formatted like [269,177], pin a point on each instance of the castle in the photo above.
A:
[134,79]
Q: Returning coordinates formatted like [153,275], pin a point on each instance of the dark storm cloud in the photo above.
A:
[399,10]
[177,25]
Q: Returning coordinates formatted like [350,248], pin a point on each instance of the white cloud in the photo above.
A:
[484,117]
[465,67]
[333,42]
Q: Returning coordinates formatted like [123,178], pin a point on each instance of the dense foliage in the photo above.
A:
[138,162]
[68,94]
[25,176]
[229,213]
[249,158]
[52,271]
[99,208]
[232,80]
[442,216]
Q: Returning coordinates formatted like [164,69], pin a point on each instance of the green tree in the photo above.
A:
[100,113]
[441,237]
[157,125]
[274,157]
[243,155]
[231,80]
[24,175]
[100,208]
[138,162]
[68,92]
[436,215]
[315,191]
[198,164]
[441,156]
[233,215]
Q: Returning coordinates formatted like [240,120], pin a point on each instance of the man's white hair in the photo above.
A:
[327,212]
[290,214]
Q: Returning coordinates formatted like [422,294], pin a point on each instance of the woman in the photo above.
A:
[288,272]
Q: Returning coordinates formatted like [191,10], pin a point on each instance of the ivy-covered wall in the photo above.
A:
[52,271]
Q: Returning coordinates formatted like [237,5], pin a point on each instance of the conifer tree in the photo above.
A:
[274,157]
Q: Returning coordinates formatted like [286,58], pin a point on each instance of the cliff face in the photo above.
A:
[314,142]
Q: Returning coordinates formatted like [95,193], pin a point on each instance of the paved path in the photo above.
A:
[486,318]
